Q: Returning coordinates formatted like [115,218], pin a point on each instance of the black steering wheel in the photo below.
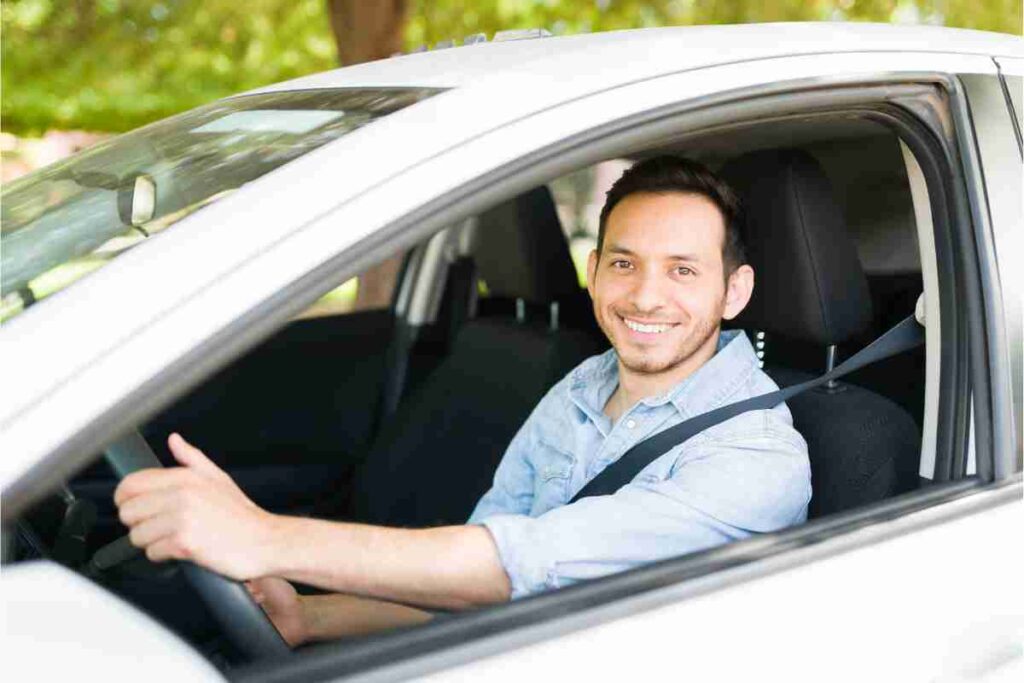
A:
[243,621]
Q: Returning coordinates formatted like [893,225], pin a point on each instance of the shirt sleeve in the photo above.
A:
[722,492]
[512,489]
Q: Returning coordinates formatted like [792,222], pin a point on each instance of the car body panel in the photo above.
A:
[895,610]
[1012,66]
[60,626]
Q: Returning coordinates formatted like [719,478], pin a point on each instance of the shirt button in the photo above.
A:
[631,423]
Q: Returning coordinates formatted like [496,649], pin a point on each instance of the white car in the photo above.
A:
[181,277]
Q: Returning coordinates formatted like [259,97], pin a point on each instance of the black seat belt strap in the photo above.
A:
[906,335]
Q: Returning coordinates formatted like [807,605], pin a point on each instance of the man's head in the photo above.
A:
[669,266]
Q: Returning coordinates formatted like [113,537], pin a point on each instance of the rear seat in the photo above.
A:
[436,456]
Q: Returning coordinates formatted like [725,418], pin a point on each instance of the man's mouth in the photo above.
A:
[646,328]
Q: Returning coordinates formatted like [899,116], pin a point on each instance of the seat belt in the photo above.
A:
[904,336]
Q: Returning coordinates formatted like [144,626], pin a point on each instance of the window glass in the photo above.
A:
[371,290]
[68,219]
[579,197]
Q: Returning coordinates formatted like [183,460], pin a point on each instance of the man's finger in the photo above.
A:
[163,550]
[140,508]
[255,592]
[190,456]
[145,481]
[152,531]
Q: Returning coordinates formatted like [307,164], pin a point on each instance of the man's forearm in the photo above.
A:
[327,617]
[455,567]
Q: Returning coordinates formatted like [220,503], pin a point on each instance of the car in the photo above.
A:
[197,275]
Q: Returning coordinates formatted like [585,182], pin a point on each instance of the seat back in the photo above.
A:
[810,287]
[437,455]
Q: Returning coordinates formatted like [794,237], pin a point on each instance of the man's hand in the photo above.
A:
[283,605]
[195,512]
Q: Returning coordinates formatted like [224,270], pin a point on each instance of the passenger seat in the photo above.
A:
[437,455]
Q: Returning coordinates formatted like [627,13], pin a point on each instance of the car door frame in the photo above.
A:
[994,151]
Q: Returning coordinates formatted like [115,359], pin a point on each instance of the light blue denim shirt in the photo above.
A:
[747,475]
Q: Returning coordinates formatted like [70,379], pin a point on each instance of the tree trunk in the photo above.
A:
[365,30]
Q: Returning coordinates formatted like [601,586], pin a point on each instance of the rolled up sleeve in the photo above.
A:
[723,492]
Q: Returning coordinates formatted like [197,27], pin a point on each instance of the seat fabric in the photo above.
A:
[437,454]
[810,288]
[849,467]
[439,457]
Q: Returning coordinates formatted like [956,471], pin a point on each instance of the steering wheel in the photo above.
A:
[243,621]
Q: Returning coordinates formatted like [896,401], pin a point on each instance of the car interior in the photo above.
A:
[400,415]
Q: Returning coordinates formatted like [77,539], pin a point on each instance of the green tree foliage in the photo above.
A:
[115,64]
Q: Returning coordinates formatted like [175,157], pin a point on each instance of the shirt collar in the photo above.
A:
[593,382]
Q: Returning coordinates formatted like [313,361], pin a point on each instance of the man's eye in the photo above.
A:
[683,270]
[621,264]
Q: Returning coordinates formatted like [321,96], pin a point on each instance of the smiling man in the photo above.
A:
[668,268]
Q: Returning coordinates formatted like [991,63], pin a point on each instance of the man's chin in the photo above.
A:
[647,365]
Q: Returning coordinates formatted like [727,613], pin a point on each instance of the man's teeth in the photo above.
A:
[646,329]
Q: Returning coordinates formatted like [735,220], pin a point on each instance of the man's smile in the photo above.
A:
[646,327]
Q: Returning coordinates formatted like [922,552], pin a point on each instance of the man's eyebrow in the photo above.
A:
[690,258]
[619,249]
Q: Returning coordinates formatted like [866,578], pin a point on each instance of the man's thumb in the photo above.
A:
[188,455]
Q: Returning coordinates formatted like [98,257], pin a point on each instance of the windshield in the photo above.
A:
[68,219]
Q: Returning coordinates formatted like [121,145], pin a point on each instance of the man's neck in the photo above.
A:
[636,386]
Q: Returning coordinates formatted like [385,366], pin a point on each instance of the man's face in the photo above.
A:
[659,286]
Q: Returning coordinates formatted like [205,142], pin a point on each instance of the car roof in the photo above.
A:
[647,52]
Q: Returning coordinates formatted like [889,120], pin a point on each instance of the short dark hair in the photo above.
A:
[665,174]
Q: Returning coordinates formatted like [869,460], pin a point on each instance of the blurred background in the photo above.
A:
[75,71]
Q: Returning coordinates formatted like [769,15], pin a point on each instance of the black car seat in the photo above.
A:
[436,456]
[810,287]
[523,259]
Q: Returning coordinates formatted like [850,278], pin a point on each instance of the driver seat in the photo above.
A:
[810,288]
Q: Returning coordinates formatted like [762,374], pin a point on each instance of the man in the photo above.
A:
[668,268]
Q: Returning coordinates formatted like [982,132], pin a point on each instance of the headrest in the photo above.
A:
[809,284]
[521,251]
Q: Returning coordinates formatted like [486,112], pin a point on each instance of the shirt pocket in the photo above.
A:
[553,468]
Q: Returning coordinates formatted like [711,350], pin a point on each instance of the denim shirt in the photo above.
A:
[747,475]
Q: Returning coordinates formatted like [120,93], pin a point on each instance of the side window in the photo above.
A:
[579,197]
[371,290]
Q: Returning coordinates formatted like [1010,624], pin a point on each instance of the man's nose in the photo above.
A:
[647,294]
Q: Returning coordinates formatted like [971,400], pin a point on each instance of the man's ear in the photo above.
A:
[738,291]
[591,271]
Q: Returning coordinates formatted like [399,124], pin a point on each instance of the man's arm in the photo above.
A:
[306,618]
[455,567]
[511,490]
[197,513]
[719,491]
[339,616]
